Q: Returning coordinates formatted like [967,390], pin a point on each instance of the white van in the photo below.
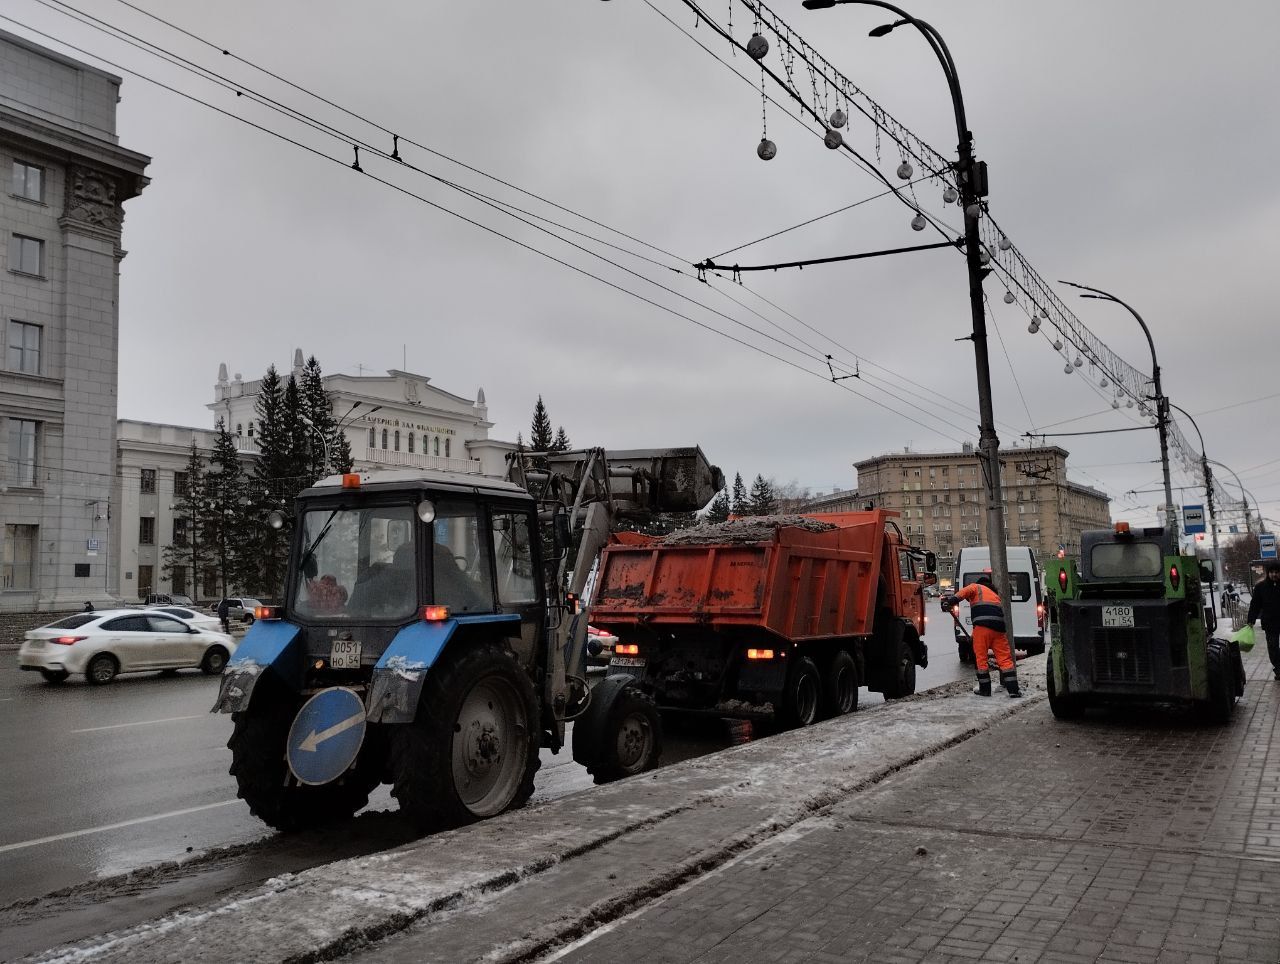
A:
[1028,597]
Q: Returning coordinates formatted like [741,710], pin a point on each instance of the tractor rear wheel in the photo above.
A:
[262,774]
[473,749]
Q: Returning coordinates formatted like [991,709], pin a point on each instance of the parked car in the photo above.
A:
[170,599]
[194,617]
[103,644]
[239,607]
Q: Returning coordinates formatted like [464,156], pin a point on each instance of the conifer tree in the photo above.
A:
[228,523]
[185,558]
[323,436]
[720,508]
[274,484]
[738,499]
[762,500]
[540,438]
[561,443]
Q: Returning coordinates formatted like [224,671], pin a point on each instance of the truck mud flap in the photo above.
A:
[399,674]
[269,646]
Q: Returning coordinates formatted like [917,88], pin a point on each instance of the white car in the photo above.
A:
[202,621]
[103,644]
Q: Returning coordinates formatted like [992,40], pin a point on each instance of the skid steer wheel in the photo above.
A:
[257,747]
[840,686]
[473,749]
[1221,678]
[802,695]
[1064,706]
[632,740]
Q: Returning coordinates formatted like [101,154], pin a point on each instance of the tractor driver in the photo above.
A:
[988,634]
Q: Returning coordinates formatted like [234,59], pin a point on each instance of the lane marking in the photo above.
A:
[117,726]
[6,848]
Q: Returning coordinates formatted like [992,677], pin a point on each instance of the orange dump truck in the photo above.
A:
[777,615]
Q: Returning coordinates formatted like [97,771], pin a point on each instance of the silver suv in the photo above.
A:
[239,607]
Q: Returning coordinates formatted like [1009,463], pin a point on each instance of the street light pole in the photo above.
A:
[1162,403]
[1208,494]
[971,177]
[1244,493]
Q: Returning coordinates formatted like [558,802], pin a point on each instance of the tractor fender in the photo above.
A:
[271,646]
[397,678]
[589,728]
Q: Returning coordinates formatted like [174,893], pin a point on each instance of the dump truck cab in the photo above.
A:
[1128,625]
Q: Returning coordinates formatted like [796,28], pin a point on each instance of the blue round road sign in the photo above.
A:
[326,735]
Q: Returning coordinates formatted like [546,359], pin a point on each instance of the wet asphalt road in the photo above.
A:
[99,781]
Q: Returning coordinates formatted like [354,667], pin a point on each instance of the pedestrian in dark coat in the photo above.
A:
[1265,605]
[224,614]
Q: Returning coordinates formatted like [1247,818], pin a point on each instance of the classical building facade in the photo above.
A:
[940,496]
[397,420]
[61,214]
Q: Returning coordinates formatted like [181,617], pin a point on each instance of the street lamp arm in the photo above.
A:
[1101,295]
[1193,425]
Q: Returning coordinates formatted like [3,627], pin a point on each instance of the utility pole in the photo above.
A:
[1208,494]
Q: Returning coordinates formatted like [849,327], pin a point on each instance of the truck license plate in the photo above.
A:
[637,661]
[345,654]
[1117,617]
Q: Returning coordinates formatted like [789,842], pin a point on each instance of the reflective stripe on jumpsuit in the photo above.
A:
[989,634]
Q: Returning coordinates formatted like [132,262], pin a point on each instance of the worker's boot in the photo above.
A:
[984,685]
[1009,680]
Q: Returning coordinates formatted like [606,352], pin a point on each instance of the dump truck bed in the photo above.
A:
[792,582]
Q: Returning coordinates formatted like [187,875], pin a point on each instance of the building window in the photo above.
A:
[397,440]
[146,576]
[179,537]
[239,430]
[146,531]
[22,451]
[373,438]
[384,438]
[26,255]
[181,483]
[410,443]
[28,181]
[19,557]
[24,347]
[437,444]
[250,432]
[178,579]
[148,480]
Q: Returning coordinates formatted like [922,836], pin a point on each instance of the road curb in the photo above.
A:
[753,793]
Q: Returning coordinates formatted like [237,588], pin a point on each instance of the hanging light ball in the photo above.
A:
[1067,369]
[839,118]
[757,47]
[950,195]
[832,139]
[767,150]
[1103,383]
[919,222]
[1005,243]
[1079,361]
[1115,403]
[1154,420]
[1057,344]
[1128,403]
[984,256]
[1034,326]
[905,171]
[1009,298]
[974,210]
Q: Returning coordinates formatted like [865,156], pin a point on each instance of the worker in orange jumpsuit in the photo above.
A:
[988,634]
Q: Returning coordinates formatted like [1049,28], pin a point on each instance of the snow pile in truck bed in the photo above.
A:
[758,528]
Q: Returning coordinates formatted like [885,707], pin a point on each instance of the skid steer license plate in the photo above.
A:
[1117,617]
[345,654]
[637,661]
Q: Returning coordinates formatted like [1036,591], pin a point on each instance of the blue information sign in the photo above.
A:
[326,735]
[1192,519]
[1267,546]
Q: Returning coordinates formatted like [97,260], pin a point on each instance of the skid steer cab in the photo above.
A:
[411,648]
[1129,625]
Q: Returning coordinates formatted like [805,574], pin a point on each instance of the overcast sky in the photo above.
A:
[1127,143]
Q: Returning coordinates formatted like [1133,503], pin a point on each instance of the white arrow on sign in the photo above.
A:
[314,739]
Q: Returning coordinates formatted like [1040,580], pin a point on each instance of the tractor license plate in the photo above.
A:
[345,654]
[637,661]
[1117,617]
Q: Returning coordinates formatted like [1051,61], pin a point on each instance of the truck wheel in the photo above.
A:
[802,695]
[965,650]
[473,749]
[632,740]
[1063,705]
[1222,700]
[262,775]
[902,672]
[840,686]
